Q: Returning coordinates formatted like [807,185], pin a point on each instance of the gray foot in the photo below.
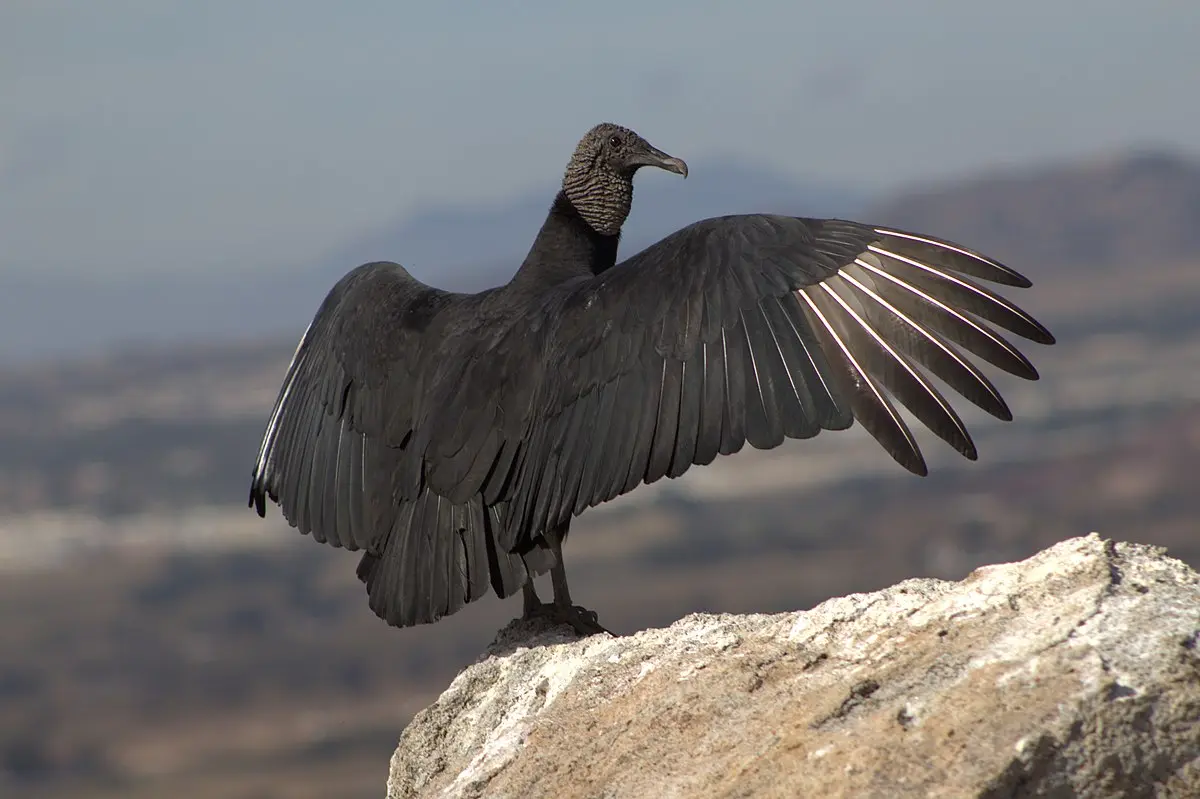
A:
[584,621]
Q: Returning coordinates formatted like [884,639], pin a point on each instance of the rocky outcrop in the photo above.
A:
[1073,673]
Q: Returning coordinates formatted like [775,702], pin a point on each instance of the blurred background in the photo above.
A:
[180,184]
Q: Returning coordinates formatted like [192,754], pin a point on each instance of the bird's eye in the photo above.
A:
[615,141]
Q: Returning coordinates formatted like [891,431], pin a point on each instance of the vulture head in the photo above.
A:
[599,177]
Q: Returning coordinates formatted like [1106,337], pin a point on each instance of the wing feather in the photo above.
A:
[754,329]
[341,456]
[443,438]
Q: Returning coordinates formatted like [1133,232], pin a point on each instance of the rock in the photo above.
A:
[1073,673]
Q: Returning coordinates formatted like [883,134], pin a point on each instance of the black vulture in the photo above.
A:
[453,437]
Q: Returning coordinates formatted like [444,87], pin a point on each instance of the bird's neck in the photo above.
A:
[567,247]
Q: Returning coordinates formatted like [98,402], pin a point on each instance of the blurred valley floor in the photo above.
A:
[158,639]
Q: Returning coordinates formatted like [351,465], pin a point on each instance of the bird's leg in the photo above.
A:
[561,610]
[583,620]
[531,601]
[558,578]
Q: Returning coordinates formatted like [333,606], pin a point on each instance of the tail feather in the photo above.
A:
[439,557]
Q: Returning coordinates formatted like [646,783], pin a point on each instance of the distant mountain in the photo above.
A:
[1106,213]
[1100,215]
[464,247]
[498,236]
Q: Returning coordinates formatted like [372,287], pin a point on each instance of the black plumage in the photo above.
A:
[452,437]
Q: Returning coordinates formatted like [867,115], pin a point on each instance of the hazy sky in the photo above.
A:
[162,134]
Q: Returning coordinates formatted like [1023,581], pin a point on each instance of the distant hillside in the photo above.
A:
[1120,212]
[432,241]
[160,639]
[463,247]
[1113,213]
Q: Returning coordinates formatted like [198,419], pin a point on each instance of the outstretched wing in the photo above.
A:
[348,399]
[338,454]
[758,328]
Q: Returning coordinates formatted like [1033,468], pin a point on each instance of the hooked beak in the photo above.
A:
[652,156]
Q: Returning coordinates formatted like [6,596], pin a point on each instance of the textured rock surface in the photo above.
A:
[1073,673]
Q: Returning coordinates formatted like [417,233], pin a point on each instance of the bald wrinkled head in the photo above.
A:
[599,177]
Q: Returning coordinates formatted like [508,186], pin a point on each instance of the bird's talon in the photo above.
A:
[583,621]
